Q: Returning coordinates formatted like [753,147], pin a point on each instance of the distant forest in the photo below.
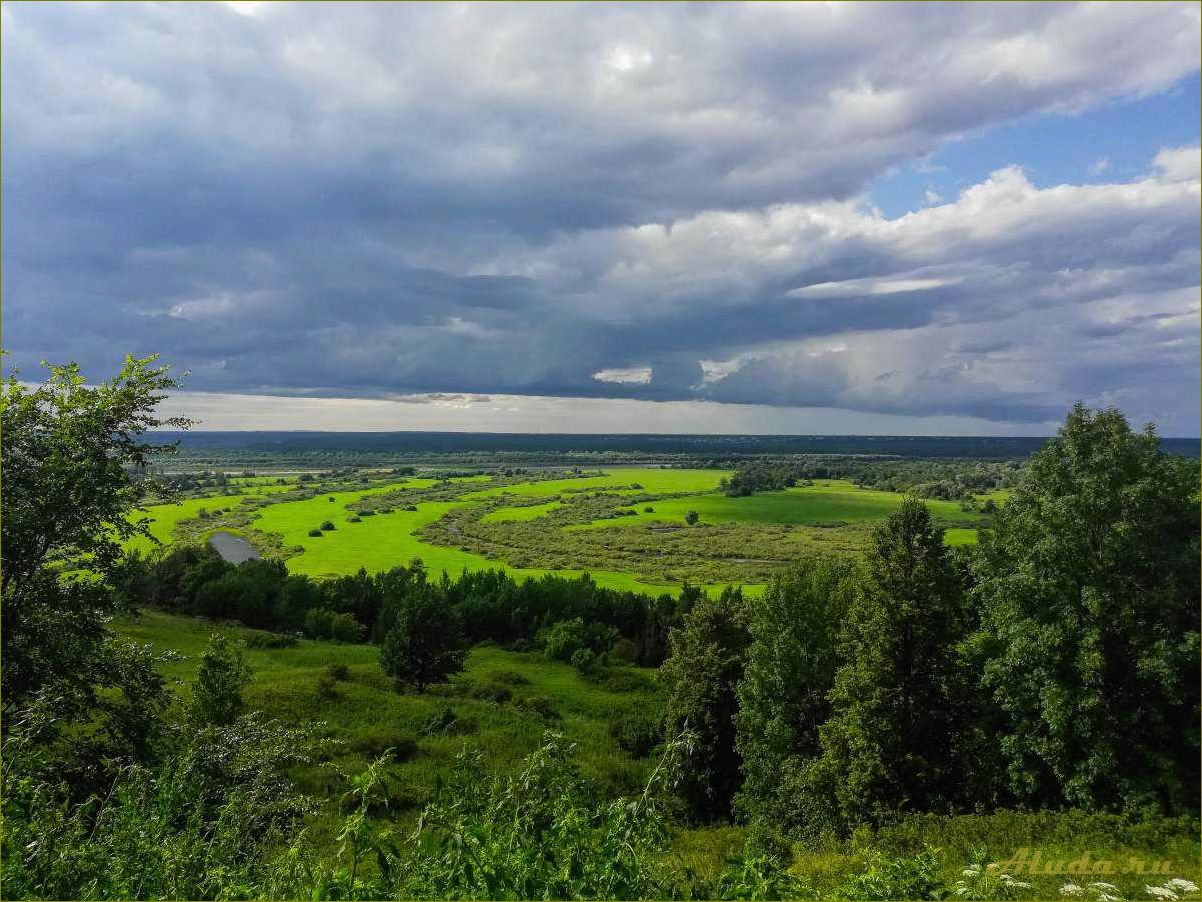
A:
[367,448]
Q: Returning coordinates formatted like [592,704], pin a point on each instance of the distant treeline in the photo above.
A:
[486,605]
[236,450]
[949,480]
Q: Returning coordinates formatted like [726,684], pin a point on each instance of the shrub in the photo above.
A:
[367,513]
[339,672]
[326,687]
[327,525]
[445,721]
[585,661]
[264,639]
[315,533]
[624,650]
[691,517]
[491,692]
[636,733]
[621,679]
[896,878]
[539,705]
[345,628]
[401,747]
[319,623]
[354,519]
[508,677]
[220,679]
[648,509]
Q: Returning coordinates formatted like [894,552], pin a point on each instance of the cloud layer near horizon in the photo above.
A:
[659,202]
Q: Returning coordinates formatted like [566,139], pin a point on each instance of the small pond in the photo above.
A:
[234,549]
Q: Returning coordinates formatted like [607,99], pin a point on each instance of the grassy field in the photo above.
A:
[828,500]
[377,542]
[367,716]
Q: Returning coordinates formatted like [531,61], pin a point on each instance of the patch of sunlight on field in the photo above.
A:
[617,480]
[960,537]
[827,501]
[997,496]
[516,514]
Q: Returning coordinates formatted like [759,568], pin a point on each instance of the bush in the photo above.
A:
[637,734]
[400,746]
[319,623]
[339,672]
[508,677]
[539,705]
[648,509]
[326,687]
[367,513]
[447,722]
[315,533]
[264,639]
[353,519]
[585,661]
[896,878]
[491,692]
[691,517]
[345,628]
[621,679]
[327,525]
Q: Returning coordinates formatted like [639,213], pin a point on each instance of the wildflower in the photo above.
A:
[1071,889]
[1184,886]
[1161,892]
[1105,887]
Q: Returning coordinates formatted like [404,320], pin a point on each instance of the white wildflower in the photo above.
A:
[1161,892]
[1184,886]
[1105,887]
[1071,889]
[1106,897]
[971,871]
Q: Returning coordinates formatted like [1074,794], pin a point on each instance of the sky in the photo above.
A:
[765,218]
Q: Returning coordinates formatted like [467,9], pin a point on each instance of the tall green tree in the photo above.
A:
[220,679]
[424,643]
[1088,590]
[71,456]
[791,666]
[891,741]
[707,655]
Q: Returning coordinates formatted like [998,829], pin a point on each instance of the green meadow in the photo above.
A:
[823,502]
[503,702]
[380,541]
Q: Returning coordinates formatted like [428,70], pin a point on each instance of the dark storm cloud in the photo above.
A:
[386,199]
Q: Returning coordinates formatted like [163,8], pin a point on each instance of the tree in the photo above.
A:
[1088,593]
[890,743]
[71,452]
[424,645]
[220,679]
[791,666]
[708,653]
[691,518]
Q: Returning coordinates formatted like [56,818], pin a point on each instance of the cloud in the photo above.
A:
[1179,164]
[637,375]
[649,202]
